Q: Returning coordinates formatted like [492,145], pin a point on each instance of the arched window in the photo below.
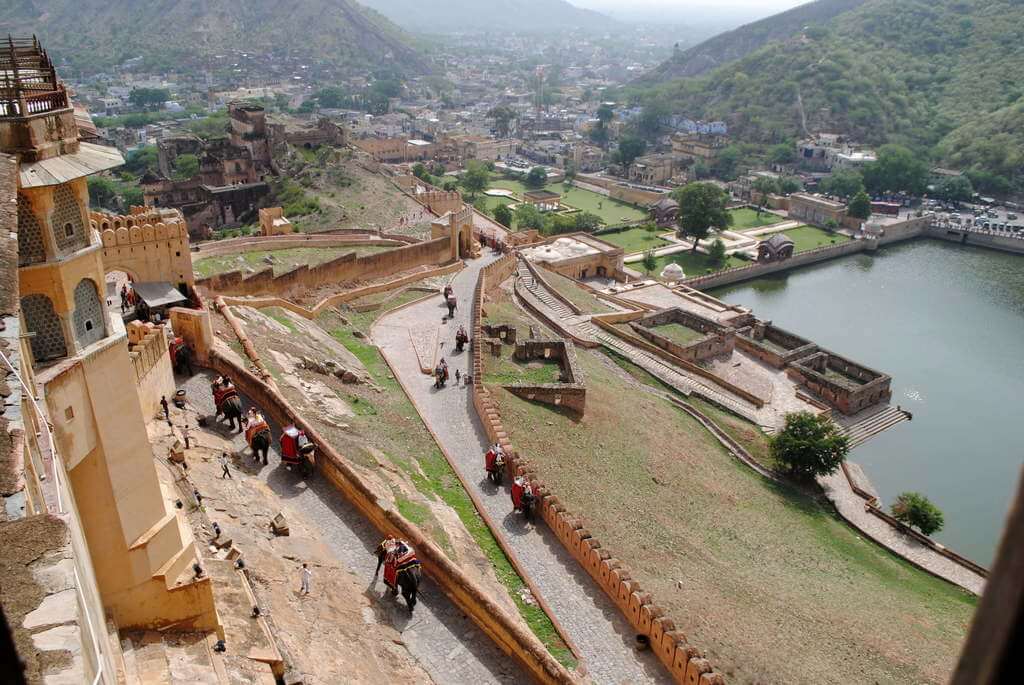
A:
[88,315]
[69,230]
[47,338]
[31,248]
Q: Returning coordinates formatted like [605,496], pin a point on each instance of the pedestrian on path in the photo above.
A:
[167,410]
[224,465]
[307,575]
[186,433]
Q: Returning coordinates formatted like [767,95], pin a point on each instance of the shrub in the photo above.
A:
[914,509]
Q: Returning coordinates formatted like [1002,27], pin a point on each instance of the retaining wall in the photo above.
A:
[290,241]
[682,660]
[510,637]
[988,240]
[347,267]
[745,273]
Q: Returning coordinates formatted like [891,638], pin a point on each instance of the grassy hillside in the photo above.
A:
[739,43]
[452,16]
[99,33]
[942,76]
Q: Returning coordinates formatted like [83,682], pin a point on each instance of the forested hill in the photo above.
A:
[739,43]
[944,77]
[103,33]
[499,16]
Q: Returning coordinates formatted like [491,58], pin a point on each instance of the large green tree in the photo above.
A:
[914,509]
[809,445]
[185,166]
[475,177]
[897,169]
[844,183]
[503,117]
[528,216]
[537,177]
[149,98]
[630,147]
[954,189]
[503,215]
[701,208]
[860,206]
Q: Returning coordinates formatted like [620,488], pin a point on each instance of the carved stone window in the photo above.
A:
[47,336]
[31,249]
[88,313]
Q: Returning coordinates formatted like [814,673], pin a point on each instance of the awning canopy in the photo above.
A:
[89,159]
[158,294]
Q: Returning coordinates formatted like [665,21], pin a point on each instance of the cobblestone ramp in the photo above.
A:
[447,644]
[602,637]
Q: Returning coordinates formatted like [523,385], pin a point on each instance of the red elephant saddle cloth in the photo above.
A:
[223,394]
[489,460]
[255,429]
[517,495]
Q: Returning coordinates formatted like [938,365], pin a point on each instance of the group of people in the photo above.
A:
[128,298]
[441,373]
[522,492]
[401,568]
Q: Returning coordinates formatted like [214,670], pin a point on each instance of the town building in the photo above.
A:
[696,146]
[651,170]
[815,209]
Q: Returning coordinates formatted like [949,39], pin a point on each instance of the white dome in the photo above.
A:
[578,248]
[564,242]
[673,272]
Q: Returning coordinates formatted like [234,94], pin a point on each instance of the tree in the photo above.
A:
[132,197]
[716,253]
[783,153]
[860,206]
[726,163]
[809,445]
[528,216]
[475,178]
[537,178]
[142,160]
[701,208]
[503,118]
[954,189]
[185,166]
[914,509]
[765,186]
[789,185]
[653,119]
[503,215]
[149,98]
[844,183]
[102,192]
[897,169]
[650,261]
[630,147]
[420,172]
[570,172]
[605,114]
[586,221]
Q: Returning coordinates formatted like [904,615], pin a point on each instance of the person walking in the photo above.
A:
[167,410]
[307,576]
[186,433]
[224,465]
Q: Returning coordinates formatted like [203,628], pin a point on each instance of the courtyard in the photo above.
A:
[744,218]
[611,212]
[810,238]
[636,239]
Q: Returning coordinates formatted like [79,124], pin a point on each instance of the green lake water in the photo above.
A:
[947,323]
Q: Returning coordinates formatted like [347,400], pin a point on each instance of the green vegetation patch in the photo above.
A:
[284,260]
[745,217]
[570,290]
[693,263]
[505,370]
[678,333]
[810,238]
[635,239]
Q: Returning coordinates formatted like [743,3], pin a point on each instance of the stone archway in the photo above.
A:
[41,321]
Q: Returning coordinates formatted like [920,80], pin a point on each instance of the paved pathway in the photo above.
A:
[603,637]
[445,642]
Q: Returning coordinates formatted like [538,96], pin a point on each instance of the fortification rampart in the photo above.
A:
[147,350]
[148,246]
[346,268]
[683,661]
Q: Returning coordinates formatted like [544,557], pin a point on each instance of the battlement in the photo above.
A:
[148,244]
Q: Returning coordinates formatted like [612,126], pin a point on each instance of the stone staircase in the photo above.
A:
[584,329]
[870,426]
[154,658]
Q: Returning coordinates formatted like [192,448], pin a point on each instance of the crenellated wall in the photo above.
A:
[147,350]
[683,661]
[149,246]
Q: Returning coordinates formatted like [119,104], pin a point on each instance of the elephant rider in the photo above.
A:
[461,338]
[520,486]
[385,546]
[492,457]
[400,557]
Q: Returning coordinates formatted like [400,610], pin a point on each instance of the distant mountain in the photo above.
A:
[522,16]
[106,32]
[943,77]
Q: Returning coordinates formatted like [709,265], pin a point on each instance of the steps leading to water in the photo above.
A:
[871,426]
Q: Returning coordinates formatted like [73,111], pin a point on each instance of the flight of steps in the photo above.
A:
[873,425]
[541,293]
[154,658]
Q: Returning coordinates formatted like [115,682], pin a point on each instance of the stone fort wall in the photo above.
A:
[683,661]
[147,245]
[345,268]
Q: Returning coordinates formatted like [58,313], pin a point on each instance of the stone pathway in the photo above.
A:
[592,622]
[851,507]
[445,642]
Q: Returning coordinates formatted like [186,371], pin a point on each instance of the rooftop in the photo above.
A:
[28,80]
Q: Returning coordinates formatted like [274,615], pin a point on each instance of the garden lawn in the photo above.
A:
[745,217]
[677,333]
[693,263]
[810,238]
[570,290]
[284,260]
[610,211]
[770,582]
[635,240]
